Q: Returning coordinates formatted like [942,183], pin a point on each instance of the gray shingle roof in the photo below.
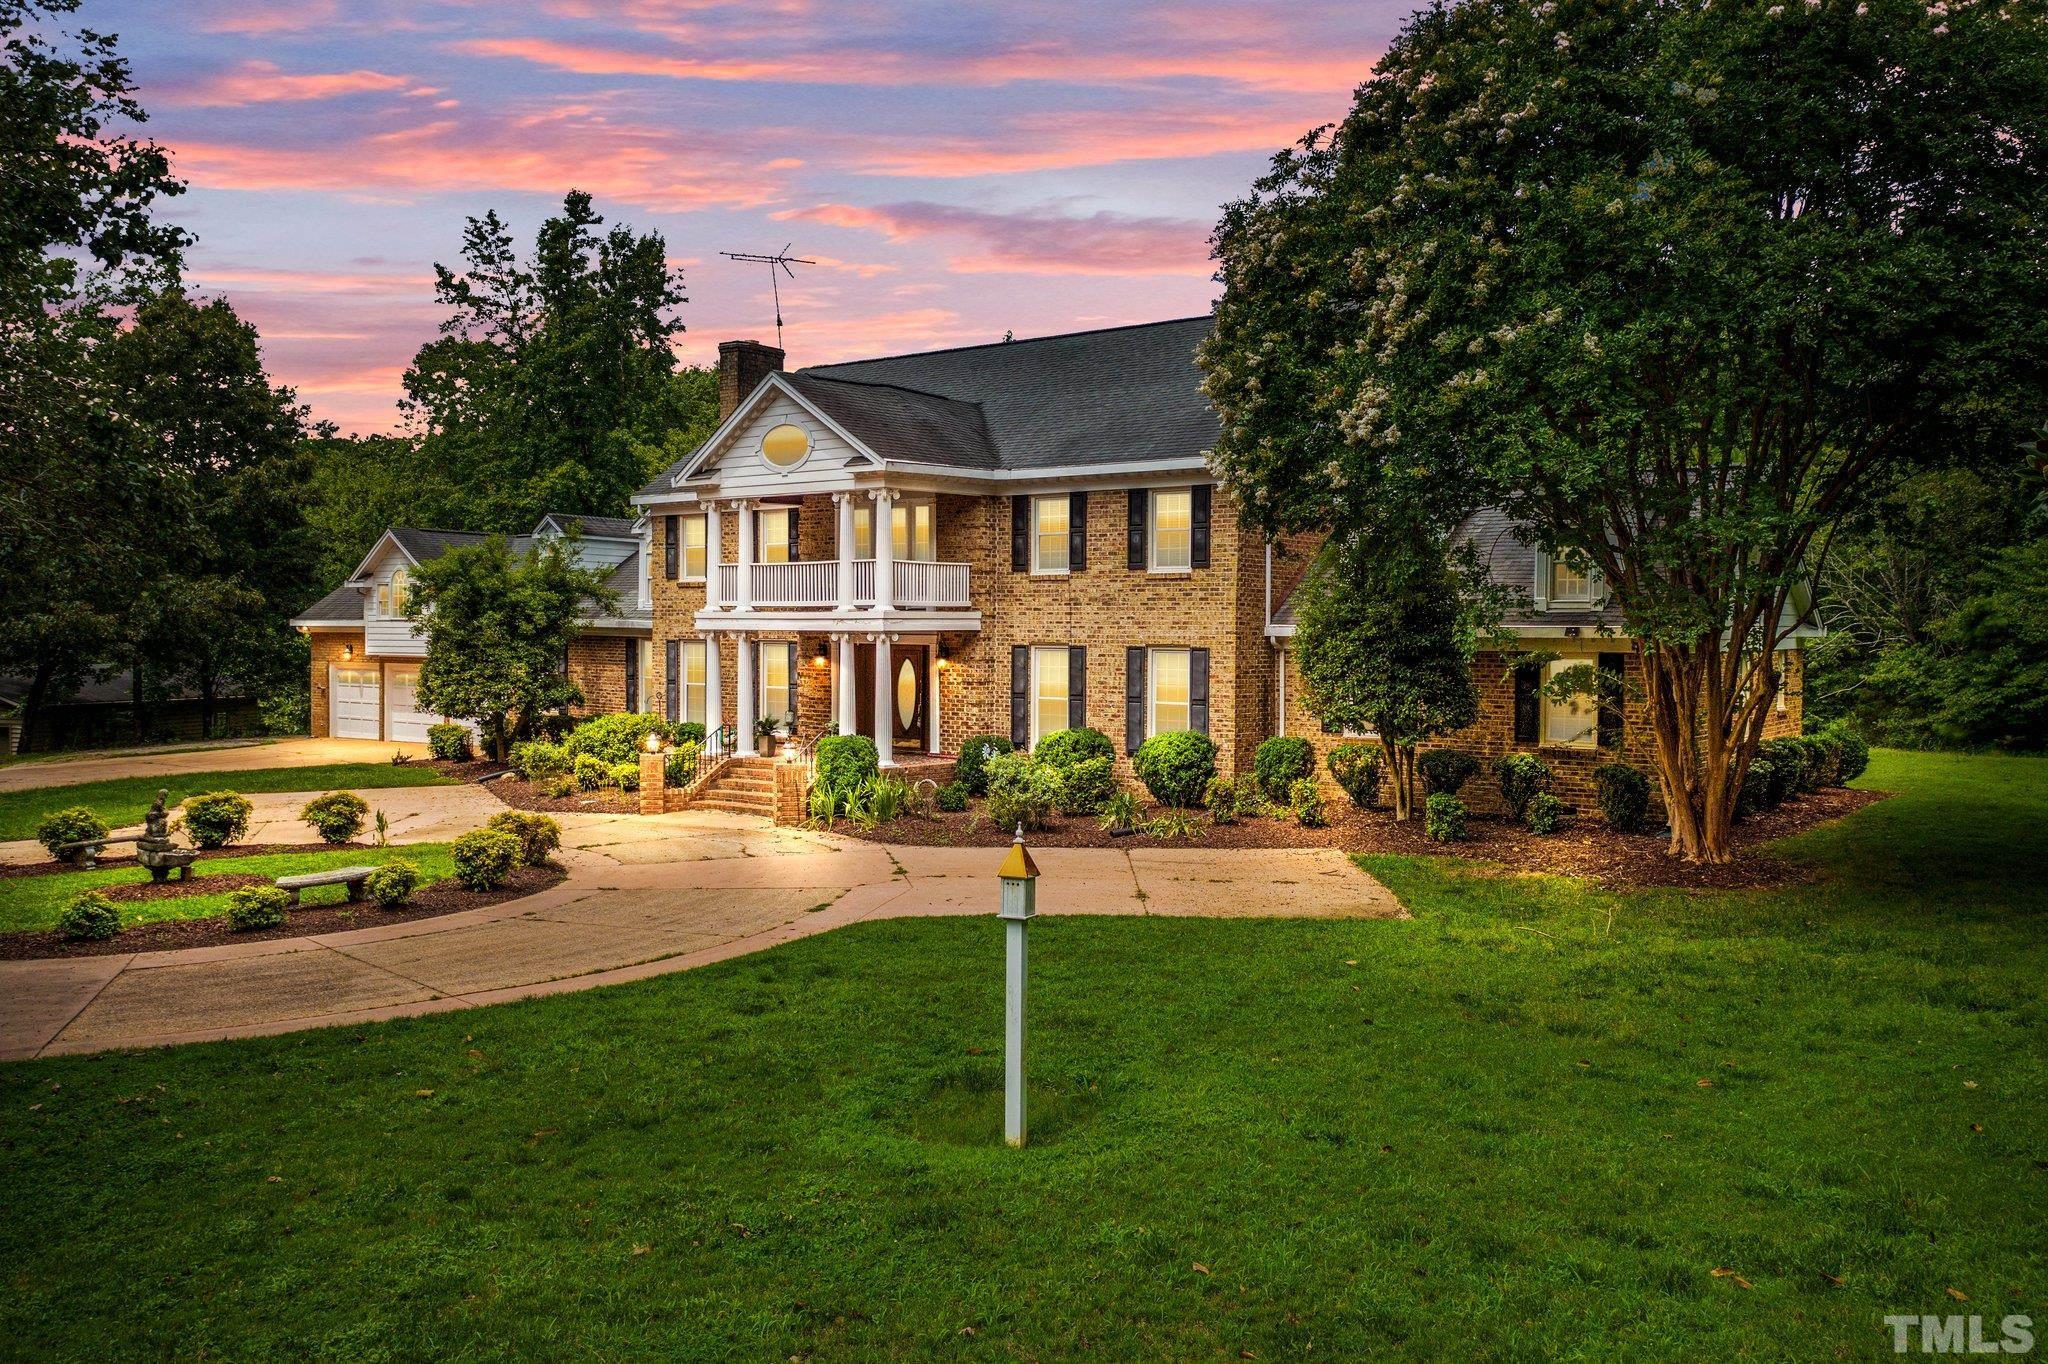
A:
[902,423]
[607,527]
[342,606]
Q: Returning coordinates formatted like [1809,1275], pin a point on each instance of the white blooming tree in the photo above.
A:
[1679,285]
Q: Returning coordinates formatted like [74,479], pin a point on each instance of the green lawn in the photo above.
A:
[30,903]
[122,801]
[1480,1133]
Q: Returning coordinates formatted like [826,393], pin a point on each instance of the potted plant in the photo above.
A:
[769,731]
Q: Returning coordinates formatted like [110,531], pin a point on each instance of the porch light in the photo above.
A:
[348,651]
[653,743]
[818,661]
[943,661]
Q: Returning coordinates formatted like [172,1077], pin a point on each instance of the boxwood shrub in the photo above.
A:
[540,837]
[846,762]
[1624,795]
[974,757]
[1546,813]
[1522,776]
[612,739]
[1855,752]
[484,858]
[1443,819]
[1280,762]
[73,825]
[1446,770]
[951,798]
[1357,768]
[90,917]
[337,816]
[449,742]
[217,818]
[254,907]
[1064,747]
[1305,798]
[1021,791]
[392,884]
[1176,767]
[1085,784]
[538,759]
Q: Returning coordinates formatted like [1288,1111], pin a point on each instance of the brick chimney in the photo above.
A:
[742,365]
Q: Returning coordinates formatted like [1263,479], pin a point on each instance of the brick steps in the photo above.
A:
[744,786]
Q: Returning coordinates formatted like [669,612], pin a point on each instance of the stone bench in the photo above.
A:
[87,851]
[352,877]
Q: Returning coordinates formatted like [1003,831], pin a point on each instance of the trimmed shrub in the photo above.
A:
[1021,791]
[1280,762]
[1446,770]
[846,762]
[254,907]
[1221,800]
[1757,785]
[679,767]
[951,798]
[1358,768]
[1176,767]
[337,816]
[1855,753]
[974,759]
[74,825]
[1064,747]
[558,787]
[689,732]
[217,818]
[1443,819]
[392,884]
[590,772]
[90,917]
[1546,813]
[625,775]
[1624,795]
[616,738]
[538,759]
[1251,802]
[1305,798]
[1522,776]
[449,742]
[1085,783]
[1788,768]
[485,857]
[539,836]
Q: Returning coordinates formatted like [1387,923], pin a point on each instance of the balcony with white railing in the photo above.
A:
[919,585]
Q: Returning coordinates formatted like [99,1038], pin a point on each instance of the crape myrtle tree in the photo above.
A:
[498,628]
[1677,285]
[1385,630]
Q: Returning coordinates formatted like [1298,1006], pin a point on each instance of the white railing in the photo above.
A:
[815,583]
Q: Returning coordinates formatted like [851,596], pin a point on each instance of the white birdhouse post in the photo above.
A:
[1020,901]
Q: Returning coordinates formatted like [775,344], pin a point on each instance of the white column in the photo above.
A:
[885,550]
[743,599]
[714,689]
[931,703]
[743,675]
[844,502]
[885,696]
[842,686]
[714,547]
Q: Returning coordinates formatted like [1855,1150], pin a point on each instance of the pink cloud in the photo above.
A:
[1067,138]
[1035,241]
[277,16]
[259,82]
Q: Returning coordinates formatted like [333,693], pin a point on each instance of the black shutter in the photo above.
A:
[796,521]
[672,661]
[1612,667]
[1077,687]
[632,674]
[670,555]
[1198,525]
[1140,507]
[1198,690]
[1020,696]
[1134,699]
[1527,710]
[1020,533]
[1077,531]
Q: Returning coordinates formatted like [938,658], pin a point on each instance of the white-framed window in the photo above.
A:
[643,668]
[1172,530]
[773,539]
[1050,523]
[1051,693]
[690,534]
[1575,721]
[915,535]
[1569,586]
[1170,691]
[778,681]
[693,695]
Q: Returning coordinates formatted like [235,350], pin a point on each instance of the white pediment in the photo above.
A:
[742,461]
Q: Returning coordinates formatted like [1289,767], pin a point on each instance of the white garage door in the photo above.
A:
[405,723]
[354,704]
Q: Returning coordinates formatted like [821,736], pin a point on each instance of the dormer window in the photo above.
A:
[1569,586]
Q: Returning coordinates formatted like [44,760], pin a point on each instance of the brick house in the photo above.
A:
[366,653]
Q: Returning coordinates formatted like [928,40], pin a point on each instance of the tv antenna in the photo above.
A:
[781,260]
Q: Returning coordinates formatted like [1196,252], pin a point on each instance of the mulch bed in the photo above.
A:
[1585,848]
[446,896]
[524,795]
[232,850]
[220,883]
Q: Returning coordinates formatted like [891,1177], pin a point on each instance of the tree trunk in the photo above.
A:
[1705,735]
[135,697]
[1401,768]
[206,703]
[32,703]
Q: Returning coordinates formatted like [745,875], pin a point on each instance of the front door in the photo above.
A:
[908,683]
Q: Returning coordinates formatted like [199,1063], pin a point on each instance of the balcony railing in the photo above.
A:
[815,583]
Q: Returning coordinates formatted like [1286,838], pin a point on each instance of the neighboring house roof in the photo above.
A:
[603,527]
[1119,395]
[115,689]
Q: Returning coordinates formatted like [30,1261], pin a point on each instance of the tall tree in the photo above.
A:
[361,486]
[553,373]
[1673,284]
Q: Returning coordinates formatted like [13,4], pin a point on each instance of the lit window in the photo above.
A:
[1172,528]
[1049,692]
[695,671]
[785,446]
[778,700]
[912,537]
[401,590]
[693,529]
[864,532]
[383,599]
[1568,584]
[1575,721]
[1171,692]
[1049,527]
[774,537]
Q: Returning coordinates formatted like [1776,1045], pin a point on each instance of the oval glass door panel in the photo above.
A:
[906,694]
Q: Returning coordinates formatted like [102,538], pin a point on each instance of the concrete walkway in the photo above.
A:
[644,896]
[239,757]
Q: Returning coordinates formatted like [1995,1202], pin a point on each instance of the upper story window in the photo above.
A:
[1569,586]
[1049,541]
[691,533]
[773,543]
[785,446]
[393,593]
[1169,707]
[913,532]
[1172,530]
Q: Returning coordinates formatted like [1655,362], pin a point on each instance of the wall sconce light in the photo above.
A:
[348,651]
[819,661]
[943,661]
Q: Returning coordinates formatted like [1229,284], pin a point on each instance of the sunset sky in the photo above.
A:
[957,169]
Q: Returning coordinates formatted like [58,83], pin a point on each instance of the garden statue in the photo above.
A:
[155,850]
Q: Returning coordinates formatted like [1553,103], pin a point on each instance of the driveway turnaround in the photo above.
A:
[231,758]
[644,896]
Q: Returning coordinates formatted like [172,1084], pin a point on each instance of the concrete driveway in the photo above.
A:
[643,897]
[229,758]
